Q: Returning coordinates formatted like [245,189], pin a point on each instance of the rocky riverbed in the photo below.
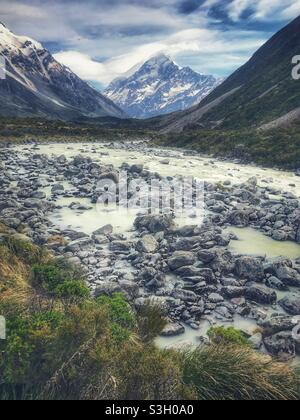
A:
[241,266]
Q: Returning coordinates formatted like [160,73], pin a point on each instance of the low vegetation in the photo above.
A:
[63,345]
[20,130]
[275,148]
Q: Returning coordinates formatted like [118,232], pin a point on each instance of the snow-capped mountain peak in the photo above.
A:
[36,85]
[160,86]
[15,42]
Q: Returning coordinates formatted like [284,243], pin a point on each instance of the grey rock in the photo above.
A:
[148,273]
[105,230]
[256,341]
[249,268]
[130,288]
[172,330]
[136,169]
[215,298]
[107,288]
[239,218]
[185,295]
[282,268]
[121,246]
[181,259]
[281,345]
[57,188]
[79,245]
[277,324]
[260,294]
[148,244]
[206,256]
[274,283]
[188,271]
[233,292]
[154,223]
[291,304]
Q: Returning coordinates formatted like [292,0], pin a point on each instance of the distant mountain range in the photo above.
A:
[36,85]
[261,94]
[160,86]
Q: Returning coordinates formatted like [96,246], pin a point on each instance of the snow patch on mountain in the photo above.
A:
[36,85]
[160,86]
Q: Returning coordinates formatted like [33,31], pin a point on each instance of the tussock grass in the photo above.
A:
[238,373]
[102,349]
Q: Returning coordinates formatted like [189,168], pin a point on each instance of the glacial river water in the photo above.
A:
[172,163]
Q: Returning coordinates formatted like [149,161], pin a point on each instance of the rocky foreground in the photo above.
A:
[189,270]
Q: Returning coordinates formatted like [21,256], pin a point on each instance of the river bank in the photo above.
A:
[203,274]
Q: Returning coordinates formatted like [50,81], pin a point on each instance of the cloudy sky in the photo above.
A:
[101,39]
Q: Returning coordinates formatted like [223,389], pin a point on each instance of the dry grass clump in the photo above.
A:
[238,373]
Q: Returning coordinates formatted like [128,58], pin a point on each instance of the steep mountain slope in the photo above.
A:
[261,93]
[158,87]
[36,85]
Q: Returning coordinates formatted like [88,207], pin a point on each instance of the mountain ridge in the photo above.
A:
[159,86]
[258,93]
[36,85]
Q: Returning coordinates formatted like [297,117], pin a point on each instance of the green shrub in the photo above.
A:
[72,290]
[28,338]
[120,334]
[230,335]
[119,310]
[58,277]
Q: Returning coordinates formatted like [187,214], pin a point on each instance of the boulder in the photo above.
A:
[172,330]
[281,345]
[181,259]
[256,341]
[215,298]
[11,222]
[188,271]
[260,294]
[184,231]
[57,188]
[277,324]
[239,218]
[121,246]
[249,268]
[223,262]
[154,223]
[291,304]
[233,292]
[185,295]
[148,273]
[206,256]
[130,288]
[274,283]
[136,169]
[107,288]
[79,245]
[105,230]
[148,244]
[283,269]
[208,275]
